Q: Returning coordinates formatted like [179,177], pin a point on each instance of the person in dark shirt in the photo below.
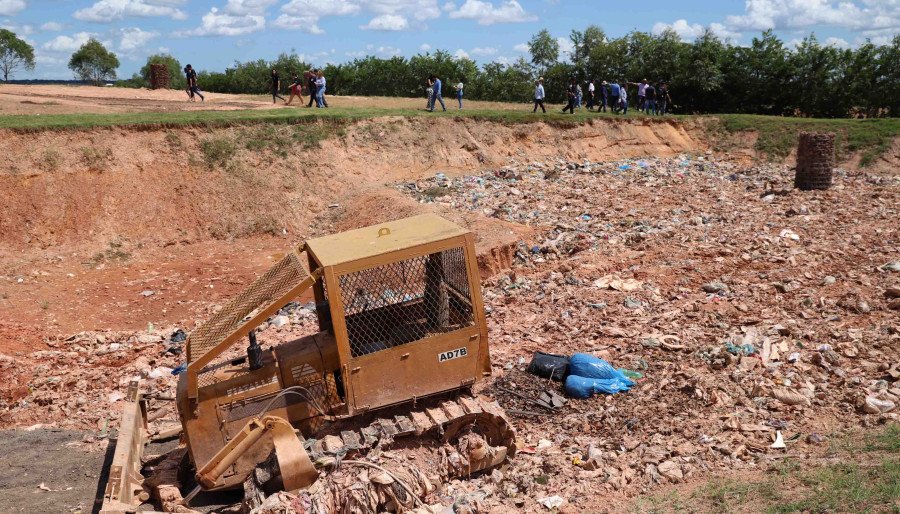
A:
[276,86]
[193,89]
[571,93]
[662,99]
[311,86]
[650,99]
[187,81]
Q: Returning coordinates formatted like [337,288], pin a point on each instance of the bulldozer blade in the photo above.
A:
[124,487]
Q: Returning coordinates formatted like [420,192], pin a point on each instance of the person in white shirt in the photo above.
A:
[623,98]
[539,95]
[590,98]
[459,93]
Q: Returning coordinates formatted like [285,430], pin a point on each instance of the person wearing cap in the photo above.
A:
[539,95]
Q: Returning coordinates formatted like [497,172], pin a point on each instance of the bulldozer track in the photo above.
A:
[443,421]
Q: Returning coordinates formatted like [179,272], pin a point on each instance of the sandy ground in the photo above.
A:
[54,99]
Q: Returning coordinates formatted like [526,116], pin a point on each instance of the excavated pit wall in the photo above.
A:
[157,185]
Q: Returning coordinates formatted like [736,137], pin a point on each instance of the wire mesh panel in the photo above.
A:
[276,282]
[405,301]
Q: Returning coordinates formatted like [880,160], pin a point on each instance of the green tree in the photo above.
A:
[176,76]
[544,50]
[14,54]
[93,62]
[583,43]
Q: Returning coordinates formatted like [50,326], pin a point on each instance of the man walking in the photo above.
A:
[191,77]
[604,96]
[539,95]
[663,99]
[310,86]
[614,92]
[571,94]
[276,86]
[437,94]
[650,99]
[590,97]
[642,94]
[623,97]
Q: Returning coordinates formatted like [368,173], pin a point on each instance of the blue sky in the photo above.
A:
[211,34]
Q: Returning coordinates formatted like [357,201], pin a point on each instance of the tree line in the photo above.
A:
[708,75]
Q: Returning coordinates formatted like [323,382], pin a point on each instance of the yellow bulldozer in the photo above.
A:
[401,340]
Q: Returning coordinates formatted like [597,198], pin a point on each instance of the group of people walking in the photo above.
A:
[314,80]
[653,100]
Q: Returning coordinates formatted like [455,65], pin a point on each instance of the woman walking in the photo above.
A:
[276,86]
[320,90]
[429,90]
[296,89]
[459,93]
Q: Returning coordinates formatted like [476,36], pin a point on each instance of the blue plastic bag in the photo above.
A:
[588,366]
[582,387]
[589,375]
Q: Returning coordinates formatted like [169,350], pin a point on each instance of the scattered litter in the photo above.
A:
[779,441]
[552,502]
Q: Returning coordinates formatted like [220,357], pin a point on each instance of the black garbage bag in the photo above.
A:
[549,365]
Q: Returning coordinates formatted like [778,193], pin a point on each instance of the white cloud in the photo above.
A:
[691,31]
[237,18]
[68,43]
[20,30]
[566,47]
[483,51]
[320,8]
[419,9]
[509,11]
[106,11]
[837,43]
[216,23]
[391,15]
[248,7]
[381,51]
[11,7]
[132,39]
[52,26]
[460,54]
[522,47]
[388,22]
[306,24]
[792,14]
[424,47]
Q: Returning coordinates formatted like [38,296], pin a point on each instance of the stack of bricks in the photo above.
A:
[159,76]
[815,161]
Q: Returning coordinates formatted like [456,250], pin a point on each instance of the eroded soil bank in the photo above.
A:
[94,218]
